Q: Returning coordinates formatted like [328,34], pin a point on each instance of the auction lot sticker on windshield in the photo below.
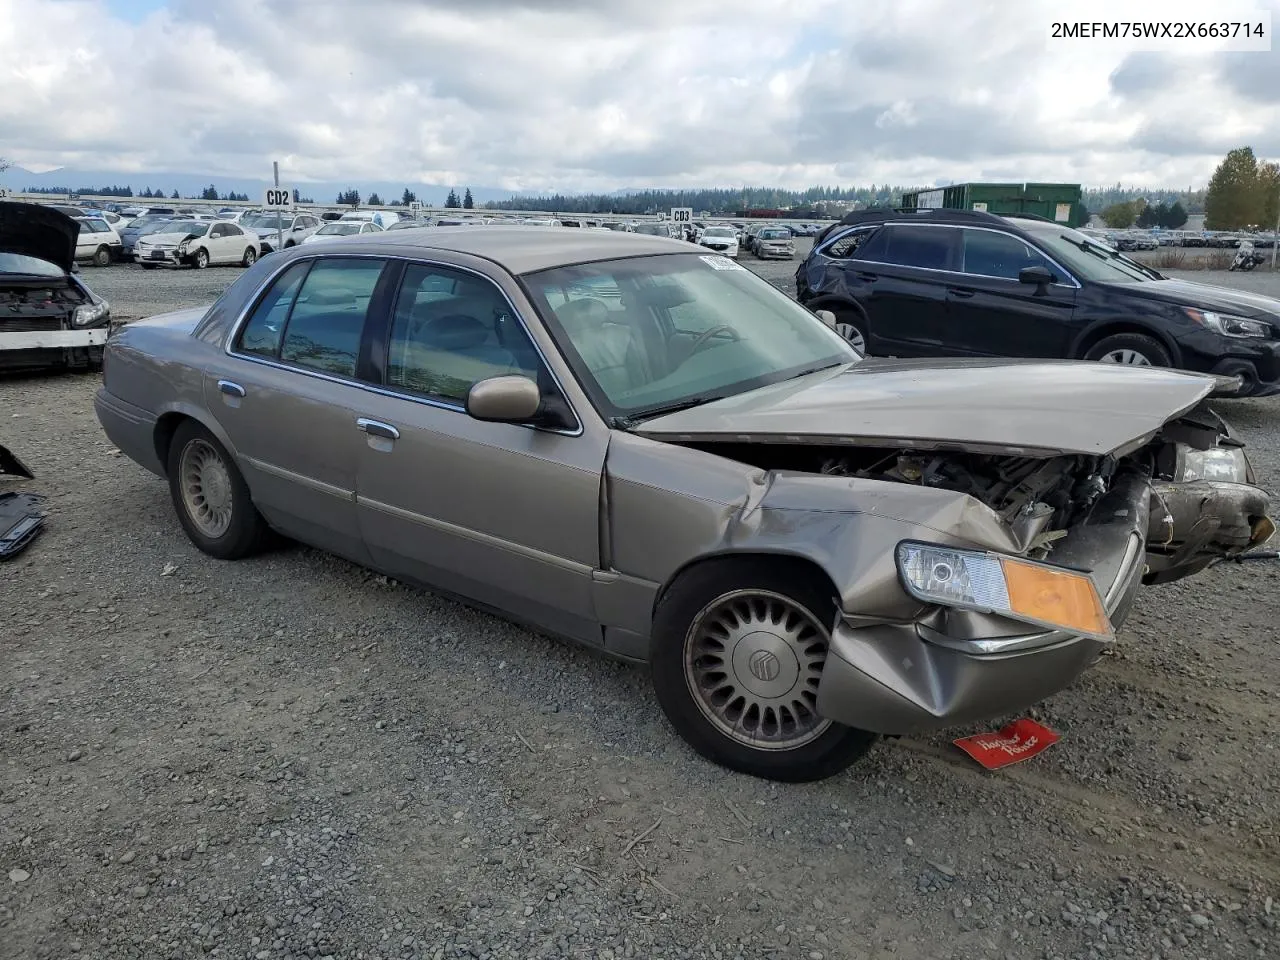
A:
[1020,740]
[722,263]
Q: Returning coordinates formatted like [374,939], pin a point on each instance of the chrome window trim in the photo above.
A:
[947,226]
[252,303]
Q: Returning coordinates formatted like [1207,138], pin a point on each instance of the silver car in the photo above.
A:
[646,448]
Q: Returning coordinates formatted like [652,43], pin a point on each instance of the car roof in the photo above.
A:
[527,249]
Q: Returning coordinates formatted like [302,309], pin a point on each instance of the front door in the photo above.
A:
[288,397]
[992,314]
[503,514]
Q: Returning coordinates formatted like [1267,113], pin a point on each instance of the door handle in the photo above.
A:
[376,428]
[962,293]
[230,389]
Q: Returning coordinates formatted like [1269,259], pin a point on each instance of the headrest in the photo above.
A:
[580,314]
[454,331]
[331,297]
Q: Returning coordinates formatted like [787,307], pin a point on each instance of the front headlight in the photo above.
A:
[1227,464]
[1010,586]
[88,313]
[182,248]
[1228,325]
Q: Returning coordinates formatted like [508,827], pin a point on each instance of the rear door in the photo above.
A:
[991,313]
[901,273]
[288,393]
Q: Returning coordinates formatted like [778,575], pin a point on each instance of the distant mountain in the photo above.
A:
[190,185]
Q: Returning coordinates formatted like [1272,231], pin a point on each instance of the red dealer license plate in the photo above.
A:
[1020,740]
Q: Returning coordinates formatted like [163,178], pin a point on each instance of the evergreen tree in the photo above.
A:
[374,200]
[452,202]
[408,197]
[467,202]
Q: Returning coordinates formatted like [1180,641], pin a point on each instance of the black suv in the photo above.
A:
[958,283]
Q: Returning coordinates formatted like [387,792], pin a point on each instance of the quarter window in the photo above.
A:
[451,330]
[991,254]
[323,329]
[848,246]
[261,335]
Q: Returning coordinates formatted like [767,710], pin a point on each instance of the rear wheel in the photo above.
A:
[851,325]
[1131,349]
[211,497]
[250,257]
[736,656]
[102,257]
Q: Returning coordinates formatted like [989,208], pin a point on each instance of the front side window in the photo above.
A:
[646,332]
[219,230]
[451,329]
[907,245]
[990,254]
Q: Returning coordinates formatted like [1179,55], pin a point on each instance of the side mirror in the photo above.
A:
[507,399]
[1040,276]
[827,317]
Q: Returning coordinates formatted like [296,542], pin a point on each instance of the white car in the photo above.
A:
[336,229]
[197,243]
[382,218]
[720,239]
[294,227]
[97,241]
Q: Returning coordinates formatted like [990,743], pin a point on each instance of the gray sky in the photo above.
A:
[602,94]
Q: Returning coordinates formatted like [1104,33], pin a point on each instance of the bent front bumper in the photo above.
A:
[949,667]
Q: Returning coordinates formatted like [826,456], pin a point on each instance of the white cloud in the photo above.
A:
[582,95]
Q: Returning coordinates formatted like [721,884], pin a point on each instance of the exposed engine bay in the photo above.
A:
[1204,505]
[22,299]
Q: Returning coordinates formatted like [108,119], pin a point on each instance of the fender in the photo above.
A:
[1123,323]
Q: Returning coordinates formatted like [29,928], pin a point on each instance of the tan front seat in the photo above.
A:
[610,350]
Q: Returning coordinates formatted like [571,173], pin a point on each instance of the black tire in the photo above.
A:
[102,257]
[679,611]
[200,260]
[250,257]
[1140,344]
[147,266]
[247,533]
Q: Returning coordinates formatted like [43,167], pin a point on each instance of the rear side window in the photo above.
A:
[324,326]
[261,335]
[913,246]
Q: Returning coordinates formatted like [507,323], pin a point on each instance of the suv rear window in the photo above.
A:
[912,246]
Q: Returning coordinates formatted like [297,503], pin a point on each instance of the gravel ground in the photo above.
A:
[292,757]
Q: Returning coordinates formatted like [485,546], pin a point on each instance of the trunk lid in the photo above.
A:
[1023,408]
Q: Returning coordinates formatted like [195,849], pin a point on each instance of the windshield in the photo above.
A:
[144,222]
[652,229]
[773,233]
[265,220]
[341,228]
[191,227]
[720,232]
[645,333]
[1089,258]
[28,266]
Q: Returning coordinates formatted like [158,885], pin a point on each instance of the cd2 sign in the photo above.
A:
[278,198]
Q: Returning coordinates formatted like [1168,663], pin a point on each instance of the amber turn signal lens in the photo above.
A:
[1060,598]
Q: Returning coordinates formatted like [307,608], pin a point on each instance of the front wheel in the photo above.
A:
[736,656]
[201,259]
[1131,349]
[211,497]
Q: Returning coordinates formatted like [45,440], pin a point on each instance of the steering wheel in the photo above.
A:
[705,336]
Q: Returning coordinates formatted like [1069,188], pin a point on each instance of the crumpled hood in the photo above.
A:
[31,230]
[1025,408]
[1206,296]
